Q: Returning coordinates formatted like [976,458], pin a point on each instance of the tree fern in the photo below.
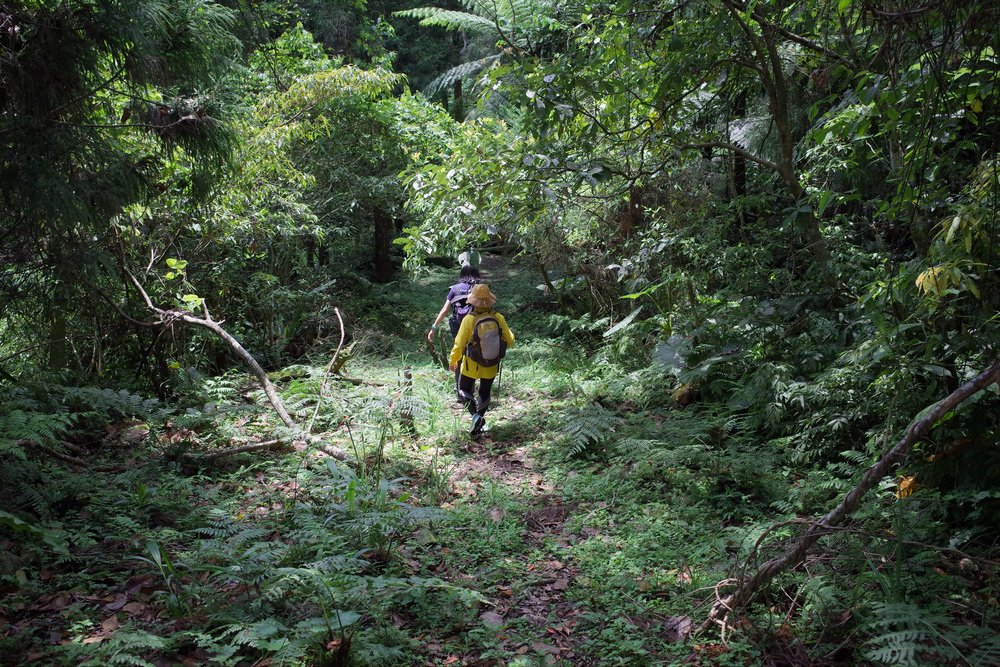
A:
[487,21]
[450,19]
[460,72]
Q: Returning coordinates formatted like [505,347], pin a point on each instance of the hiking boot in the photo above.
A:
[478,424]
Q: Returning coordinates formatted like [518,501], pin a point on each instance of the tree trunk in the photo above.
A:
[633,216]
[740,162]
[457,106]
[383,244]
[772,74]
[310,252]
[57,338]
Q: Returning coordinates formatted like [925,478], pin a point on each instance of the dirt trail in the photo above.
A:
[506,460]
[540,599]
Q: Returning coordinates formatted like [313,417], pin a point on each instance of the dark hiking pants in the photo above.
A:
[453,325]
[466,387]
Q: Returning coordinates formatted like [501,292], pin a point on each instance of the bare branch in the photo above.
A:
[254,447]
[742,152]
[326,373]
[745,588]
[169,316]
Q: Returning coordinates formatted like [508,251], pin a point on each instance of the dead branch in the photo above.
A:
[330,450]
[434,354]
[167,317]
[329,369]
[747,587]
[321,445]
[254,447]
[48,451]
[357,382]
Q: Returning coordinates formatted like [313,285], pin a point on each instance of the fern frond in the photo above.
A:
[108,402]
[450,19]
[587,427]
[906,634]
[499,105]
[457,73]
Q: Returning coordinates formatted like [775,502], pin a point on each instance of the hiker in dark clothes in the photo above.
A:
[456,303]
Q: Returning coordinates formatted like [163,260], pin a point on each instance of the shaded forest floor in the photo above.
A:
[519,548]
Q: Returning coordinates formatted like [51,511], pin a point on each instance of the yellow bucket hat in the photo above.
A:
[481,296]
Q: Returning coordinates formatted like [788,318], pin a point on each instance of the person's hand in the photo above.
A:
[453,367]
[430,335]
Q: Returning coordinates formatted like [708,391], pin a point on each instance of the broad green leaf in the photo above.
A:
[624,323]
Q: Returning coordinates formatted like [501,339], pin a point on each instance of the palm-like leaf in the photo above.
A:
[451,20]
[485,19]
[459,72]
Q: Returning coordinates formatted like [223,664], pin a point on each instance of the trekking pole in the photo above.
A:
[499,377]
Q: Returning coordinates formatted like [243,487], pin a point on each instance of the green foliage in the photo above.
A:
[50,538]
[588,428]
[904,634]
[493,26]
[19,429]
[764,239]
[127,647]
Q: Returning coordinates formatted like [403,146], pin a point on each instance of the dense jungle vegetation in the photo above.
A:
[749,249]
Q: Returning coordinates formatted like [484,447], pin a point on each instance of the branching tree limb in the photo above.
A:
[747,587]
[733,148]
[168,316]
[171,315]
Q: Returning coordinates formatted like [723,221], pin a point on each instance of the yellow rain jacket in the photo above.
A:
[469,367]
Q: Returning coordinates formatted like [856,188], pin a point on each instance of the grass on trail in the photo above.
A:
[436,549]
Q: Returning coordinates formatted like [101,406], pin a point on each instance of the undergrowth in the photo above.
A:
[680,462]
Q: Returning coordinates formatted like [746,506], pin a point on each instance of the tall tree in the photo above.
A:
[93,97]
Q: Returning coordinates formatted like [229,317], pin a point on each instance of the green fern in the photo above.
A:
[450,19]
[223,388]
[588,427]
[127,646]
[25,486]
[18,427]
[486,21]
[108,402]
[907,635]
[459,72]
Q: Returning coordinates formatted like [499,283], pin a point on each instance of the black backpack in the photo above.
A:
[460,307]
[487,346]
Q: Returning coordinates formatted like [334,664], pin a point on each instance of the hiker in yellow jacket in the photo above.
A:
[480,344]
